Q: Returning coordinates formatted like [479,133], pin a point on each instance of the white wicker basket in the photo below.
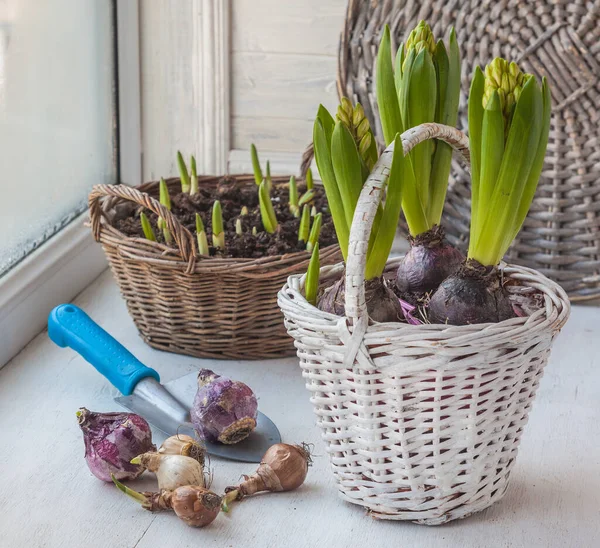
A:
[421,423]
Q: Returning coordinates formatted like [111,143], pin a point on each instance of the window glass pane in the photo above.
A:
[57,116]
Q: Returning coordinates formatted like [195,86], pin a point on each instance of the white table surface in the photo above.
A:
[48,497]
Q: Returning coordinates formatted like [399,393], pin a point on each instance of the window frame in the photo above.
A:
[70,260]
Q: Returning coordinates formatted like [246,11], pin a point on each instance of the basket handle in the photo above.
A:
[368,202]
[182,236]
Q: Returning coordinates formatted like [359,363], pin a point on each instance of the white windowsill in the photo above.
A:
[54,273]
[552,501]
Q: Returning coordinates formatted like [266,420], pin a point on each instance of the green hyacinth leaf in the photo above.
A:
[398,67]
[258,174]
[538,161]
[386,231]
[322,149]
[475,115]
[193,177]
[492,152]
[311,285]
[420,108]
[267,213]
[387,98]
[147,227]
[315,232]
[183,174]
[304,229]
[347,168]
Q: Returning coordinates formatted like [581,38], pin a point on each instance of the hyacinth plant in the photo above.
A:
[147,227]
[422,86]
[189,181]
[165,200]
[509,124]
[345,153]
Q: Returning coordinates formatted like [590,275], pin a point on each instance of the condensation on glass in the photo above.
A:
[57,116]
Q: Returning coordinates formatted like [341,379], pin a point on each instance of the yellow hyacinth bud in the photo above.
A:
[347,107]
[420,38]
[364,145]
[507,79]
[358,115]
[342,116]
[363,128]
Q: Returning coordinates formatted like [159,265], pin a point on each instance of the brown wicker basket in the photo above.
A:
[553,38]
[187,304]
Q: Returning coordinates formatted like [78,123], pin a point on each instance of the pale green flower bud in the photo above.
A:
[358,115]
[420,38]
[364,145]
[347,107]
[342,116]
[363,128]
[507,79]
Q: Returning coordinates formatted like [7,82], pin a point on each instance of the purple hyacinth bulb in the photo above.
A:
[224,410]
[112,440]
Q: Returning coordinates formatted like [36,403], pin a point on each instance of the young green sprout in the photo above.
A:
[306,197]
[267,213]
[309,179]
[238,227]
[218,235]
[293,200]
[313,211]
[304,230]
[194,176]
[258,175]
[183,174]
[315,232]
[268,176]
[244,211]
[311,285]
[422,87]
[509,124]
[343,169]
[254,231]
[147,228]
[201,236]
[165,200]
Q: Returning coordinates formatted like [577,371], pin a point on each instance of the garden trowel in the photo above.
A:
[166,407]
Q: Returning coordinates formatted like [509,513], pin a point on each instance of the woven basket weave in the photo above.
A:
[421,423]
[187,304]
[553,38]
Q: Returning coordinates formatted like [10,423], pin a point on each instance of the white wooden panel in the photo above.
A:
[310,26]
[282,85]
[282,163]
[168,111]
[185,84]
[272,134]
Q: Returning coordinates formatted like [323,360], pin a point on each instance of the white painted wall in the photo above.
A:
[282,61]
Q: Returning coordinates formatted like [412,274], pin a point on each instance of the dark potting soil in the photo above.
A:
[233,197]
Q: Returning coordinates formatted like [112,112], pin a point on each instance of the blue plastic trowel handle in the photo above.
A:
[70,326]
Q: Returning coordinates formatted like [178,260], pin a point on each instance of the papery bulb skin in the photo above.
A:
[224,410]
[181,444]
[382,303]
[112,440]
[474,295]
[173,471]
[429,261]
[283,468]
[196,506]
